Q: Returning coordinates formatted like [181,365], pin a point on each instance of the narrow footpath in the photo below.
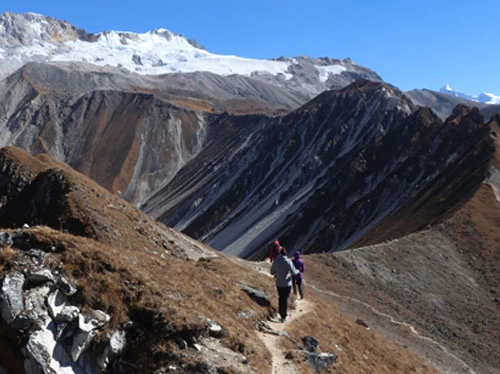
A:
[273,338]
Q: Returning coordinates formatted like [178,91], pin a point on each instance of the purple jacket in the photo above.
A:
[299,264]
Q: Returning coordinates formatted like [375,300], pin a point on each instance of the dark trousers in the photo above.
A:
[283,293]
[297,284]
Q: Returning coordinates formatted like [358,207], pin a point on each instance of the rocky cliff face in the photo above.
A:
[128,142]
[323,176]
[24,29]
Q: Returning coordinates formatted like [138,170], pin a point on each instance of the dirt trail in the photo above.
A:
[272,339]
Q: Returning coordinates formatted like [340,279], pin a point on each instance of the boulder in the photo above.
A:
[43,354]
[320,361]
[214,329]
[11,296]
[56,302]
[5,239]
[39,277]
[310,343]
[362,323]
[96,318]
[116,346]
[87,329]
[66,287]
[81,342]
[260,297]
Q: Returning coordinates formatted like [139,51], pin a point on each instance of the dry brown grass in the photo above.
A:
[7,254]
[362,350]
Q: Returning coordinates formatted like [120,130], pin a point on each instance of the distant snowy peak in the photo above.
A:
[32,37]
[485,98]
[488,98]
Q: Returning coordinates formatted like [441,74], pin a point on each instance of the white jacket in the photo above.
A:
[282,268]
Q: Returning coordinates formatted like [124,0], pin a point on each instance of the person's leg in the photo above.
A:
[284,293]
[300,287]
[294,284]
[282,301]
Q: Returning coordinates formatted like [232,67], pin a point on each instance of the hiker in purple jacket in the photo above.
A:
[297,279]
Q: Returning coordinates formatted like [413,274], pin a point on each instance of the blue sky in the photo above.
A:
[411,44]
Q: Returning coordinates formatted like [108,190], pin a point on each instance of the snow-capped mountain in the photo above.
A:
[484,97]
[35,38]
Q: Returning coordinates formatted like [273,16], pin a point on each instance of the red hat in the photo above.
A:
[277,243]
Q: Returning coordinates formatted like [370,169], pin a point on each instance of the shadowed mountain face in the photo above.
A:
[129,110]
[328,173]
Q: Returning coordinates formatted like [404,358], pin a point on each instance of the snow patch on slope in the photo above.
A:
[326,71]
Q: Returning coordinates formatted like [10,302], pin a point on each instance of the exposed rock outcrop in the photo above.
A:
[60,334]
[11,301]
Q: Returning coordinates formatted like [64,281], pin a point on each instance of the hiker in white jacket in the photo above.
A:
[283,270]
